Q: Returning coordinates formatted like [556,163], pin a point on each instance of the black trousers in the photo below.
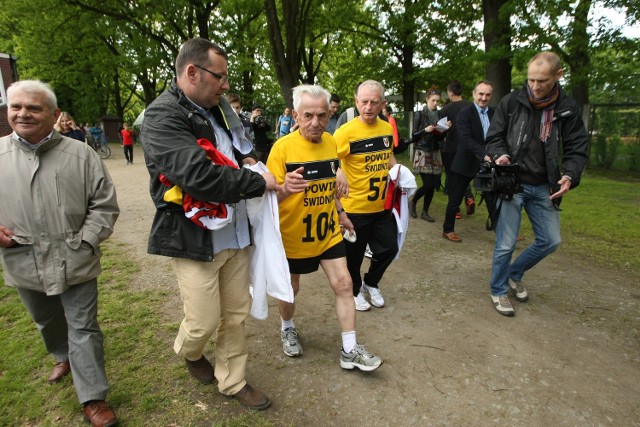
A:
[430,183]
[447,159]
[380,231]
[458,188]
[128,153]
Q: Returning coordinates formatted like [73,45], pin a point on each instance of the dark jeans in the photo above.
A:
[128,153]
[429,185]
[380,231]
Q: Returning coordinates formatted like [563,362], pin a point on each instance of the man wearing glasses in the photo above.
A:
[211,265]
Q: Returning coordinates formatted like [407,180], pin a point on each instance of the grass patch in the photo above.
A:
[148,387]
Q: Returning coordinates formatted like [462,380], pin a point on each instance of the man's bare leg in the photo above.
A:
[288,331]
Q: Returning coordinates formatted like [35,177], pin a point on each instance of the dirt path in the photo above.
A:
[570,356]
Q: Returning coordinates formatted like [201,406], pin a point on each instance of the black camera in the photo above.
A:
[259,120]
[503,180]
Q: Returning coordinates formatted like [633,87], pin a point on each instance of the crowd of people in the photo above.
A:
[327,178]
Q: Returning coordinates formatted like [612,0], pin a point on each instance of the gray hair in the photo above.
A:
[34,86]
[372,84]
[314,91]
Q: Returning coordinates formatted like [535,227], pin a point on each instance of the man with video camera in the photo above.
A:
[261,130]
[538,127]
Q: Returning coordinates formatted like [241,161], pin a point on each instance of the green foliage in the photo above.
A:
[633,153]
[114,57]
[606,150]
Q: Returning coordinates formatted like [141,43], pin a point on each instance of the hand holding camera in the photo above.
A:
[501,179]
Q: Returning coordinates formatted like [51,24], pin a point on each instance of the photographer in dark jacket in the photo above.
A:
[537,127]
[261,131]
[211,266]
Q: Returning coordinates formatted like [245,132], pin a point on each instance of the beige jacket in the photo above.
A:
[60,203]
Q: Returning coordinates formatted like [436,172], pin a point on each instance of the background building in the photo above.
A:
[8,75]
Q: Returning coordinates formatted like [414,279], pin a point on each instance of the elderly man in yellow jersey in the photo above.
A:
[305,162]
[365,149]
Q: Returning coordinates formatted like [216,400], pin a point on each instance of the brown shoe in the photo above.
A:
[99,414]
[59,371]
[452,236]
[252,398]
[201,369]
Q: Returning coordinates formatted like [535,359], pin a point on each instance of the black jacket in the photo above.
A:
[169,133]
[426,141]
[471,142]
[565,150]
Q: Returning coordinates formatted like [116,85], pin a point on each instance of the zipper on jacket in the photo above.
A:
[57,183]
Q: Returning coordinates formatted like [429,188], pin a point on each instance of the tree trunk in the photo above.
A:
[578,53]
[117,97]
[286,56]
[497,42]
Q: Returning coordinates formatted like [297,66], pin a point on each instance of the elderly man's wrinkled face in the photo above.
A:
[30,115]
[312,117]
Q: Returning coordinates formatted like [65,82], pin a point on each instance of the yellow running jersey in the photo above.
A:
[364,151]
[308,220]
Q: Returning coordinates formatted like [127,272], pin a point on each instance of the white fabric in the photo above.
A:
[211,222]
[406,183]
[269,269]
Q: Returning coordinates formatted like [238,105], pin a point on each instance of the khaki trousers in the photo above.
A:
[216,300]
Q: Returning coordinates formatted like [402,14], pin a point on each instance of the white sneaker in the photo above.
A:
[361,303]
[375,296]
[290,344]
[367,252]
[503,305]
[359,358]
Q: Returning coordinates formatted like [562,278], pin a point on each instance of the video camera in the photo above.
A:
[503,180]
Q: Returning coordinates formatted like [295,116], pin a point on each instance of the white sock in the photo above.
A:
[348,341]
[286,324]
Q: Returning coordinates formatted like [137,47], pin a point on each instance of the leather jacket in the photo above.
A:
[425,141]
[171,127]
[565,150]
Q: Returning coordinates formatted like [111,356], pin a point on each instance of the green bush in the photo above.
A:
[606,150]
[633,153]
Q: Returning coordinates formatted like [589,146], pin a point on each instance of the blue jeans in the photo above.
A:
[545,220]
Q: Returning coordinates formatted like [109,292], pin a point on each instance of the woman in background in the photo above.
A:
[427,160]
[67,127]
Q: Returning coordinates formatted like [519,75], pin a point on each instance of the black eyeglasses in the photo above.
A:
[220,77]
